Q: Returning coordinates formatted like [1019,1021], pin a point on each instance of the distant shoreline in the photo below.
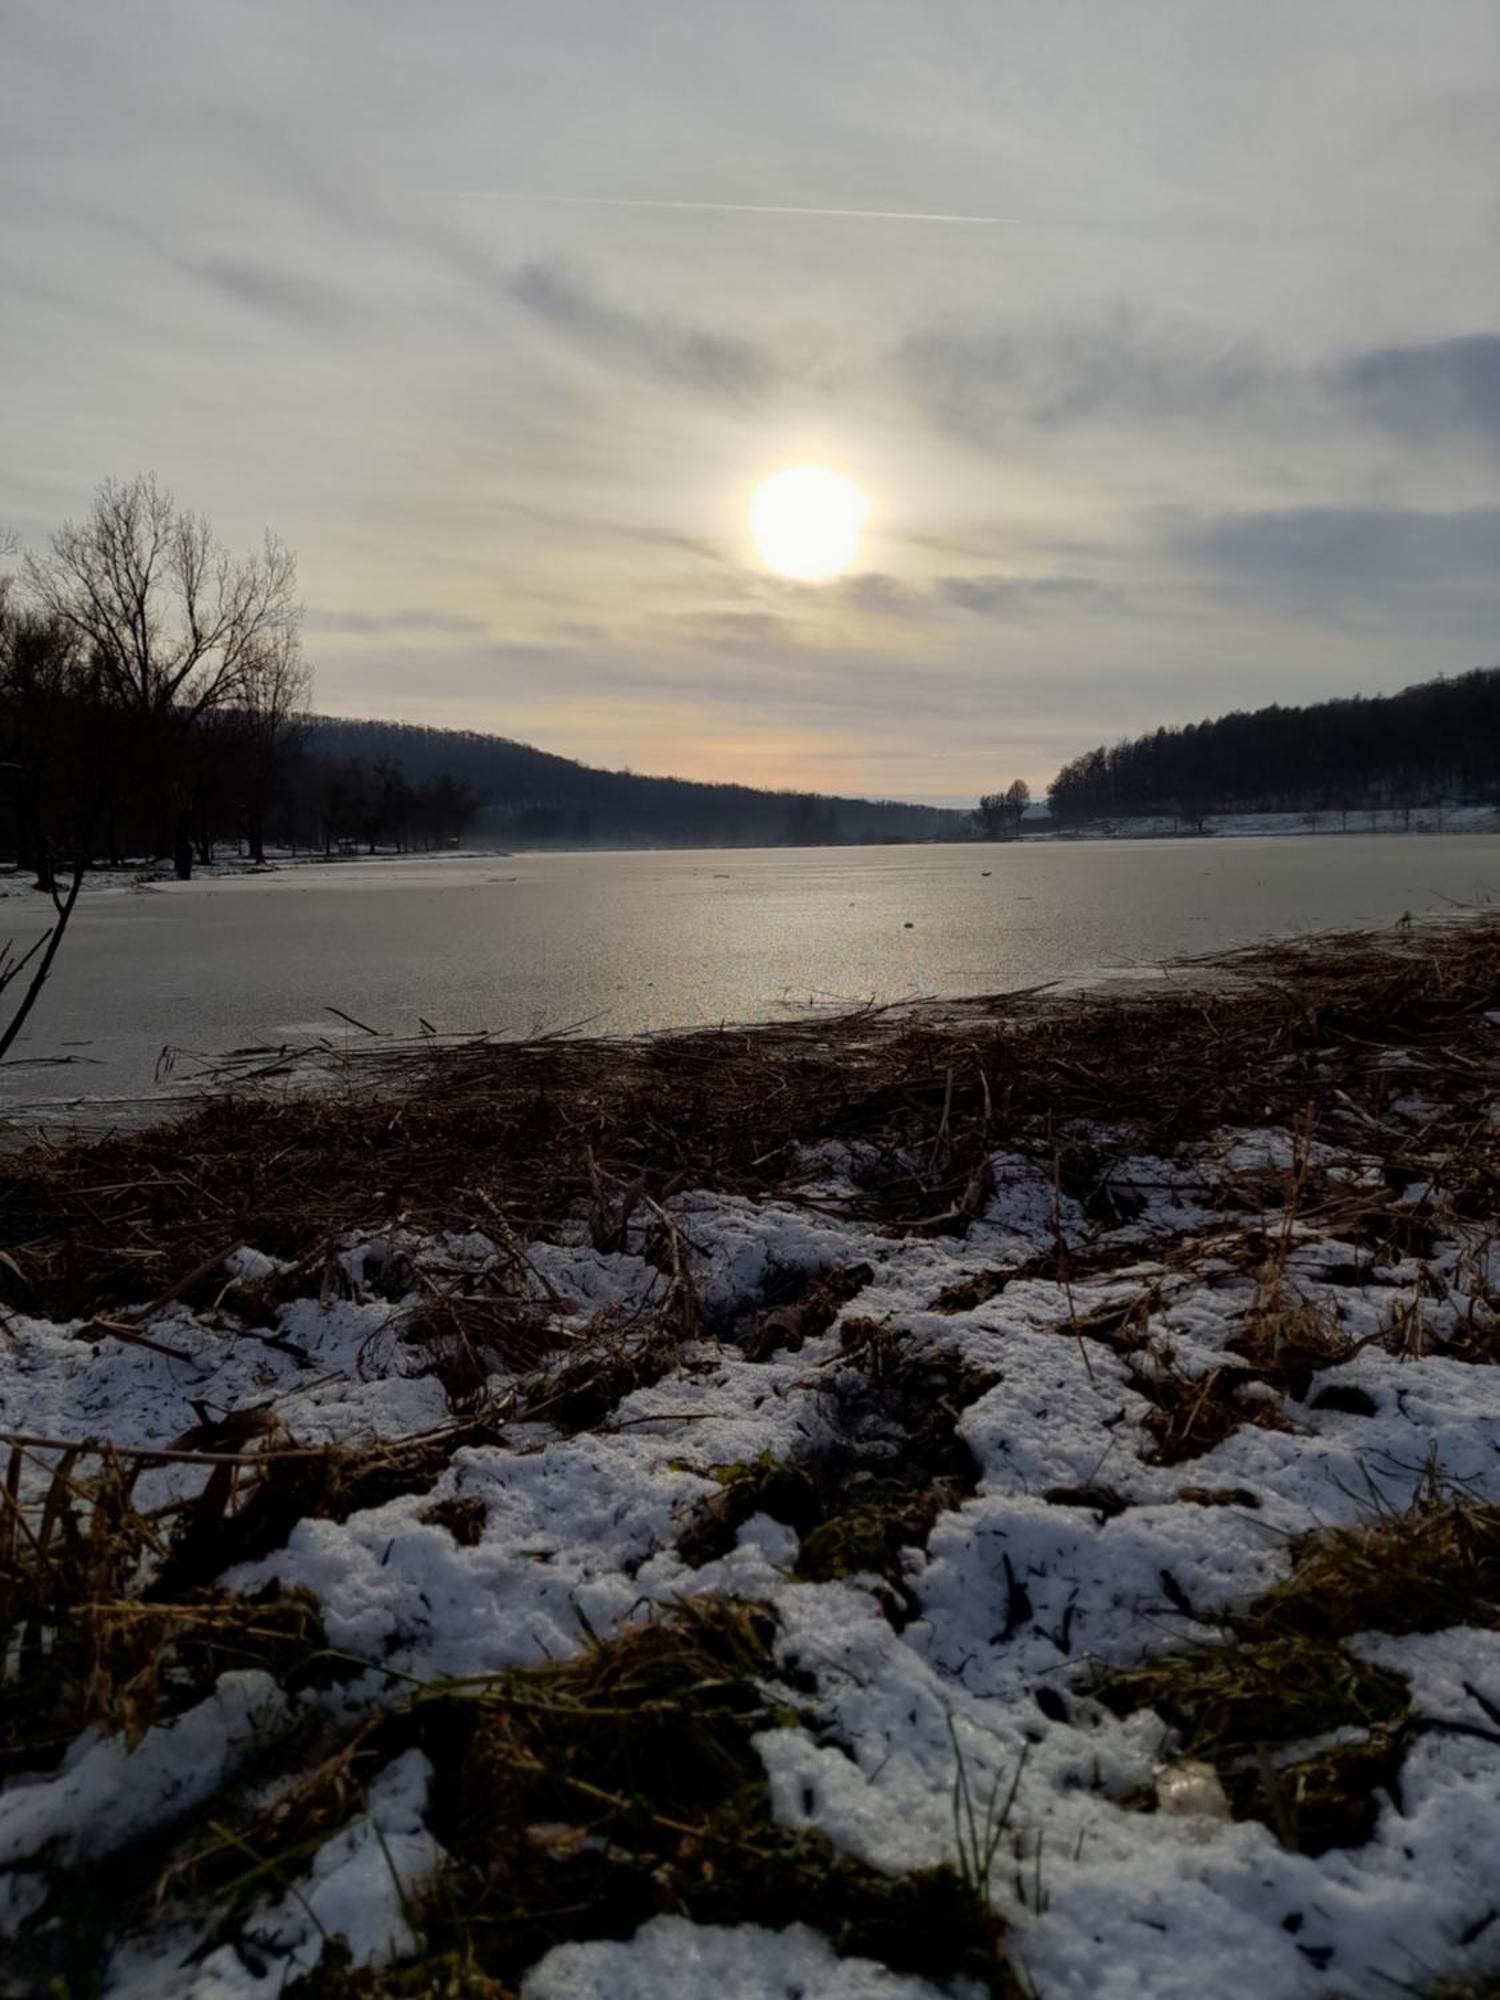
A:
[1462,819]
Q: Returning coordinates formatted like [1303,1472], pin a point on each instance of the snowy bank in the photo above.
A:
[1035,1530]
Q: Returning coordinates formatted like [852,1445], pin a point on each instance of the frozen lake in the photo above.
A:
[653,940]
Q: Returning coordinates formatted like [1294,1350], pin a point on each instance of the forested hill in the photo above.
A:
[1438,740]
[531,795]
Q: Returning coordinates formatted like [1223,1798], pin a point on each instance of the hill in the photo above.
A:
[1437,740]
[532,795]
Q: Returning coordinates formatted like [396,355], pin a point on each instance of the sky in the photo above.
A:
[1163,337]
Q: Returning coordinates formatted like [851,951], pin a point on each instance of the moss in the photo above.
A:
[1482,1986]
[1286,1680]
[582,1799]
[871,1539]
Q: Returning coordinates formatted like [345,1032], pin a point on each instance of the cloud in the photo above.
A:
[1131,372]
[1335,552]
[1117,368]
[1438,387]
[1023,596]
[384,622]
[869,591]
[885,596]
[655,346]
[579,526]
[738,632]
[799,611]
[287,296]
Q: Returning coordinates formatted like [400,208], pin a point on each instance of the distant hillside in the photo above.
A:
[531,795]
[1438,740]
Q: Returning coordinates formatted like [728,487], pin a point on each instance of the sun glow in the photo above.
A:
[806,521]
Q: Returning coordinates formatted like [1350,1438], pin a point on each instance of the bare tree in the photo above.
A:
[39,675]
[175,626]
[999,814]
[273,709]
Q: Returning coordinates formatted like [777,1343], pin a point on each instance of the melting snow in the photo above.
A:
[1018,1595]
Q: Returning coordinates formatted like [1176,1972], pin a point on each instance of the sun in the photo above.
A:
[806,522]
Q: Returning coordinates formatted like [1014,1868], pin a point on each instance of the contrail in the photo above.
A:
[755,208]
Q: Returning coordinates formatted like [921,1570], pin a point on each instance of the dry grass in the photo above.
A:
[862,1502]
[579,1799]
[107,1614]
[512,1136]
[1282,1679]
[1437,1564]
[1235,1705]
[1230,1700]
[1190,1414]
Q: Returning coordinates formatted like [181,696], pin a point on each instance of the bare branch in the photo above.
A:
[53,939]
[171,617]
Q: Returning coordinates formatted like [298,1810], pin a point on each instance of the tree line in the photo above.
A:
[1434,742]
[331,804]
[153,704]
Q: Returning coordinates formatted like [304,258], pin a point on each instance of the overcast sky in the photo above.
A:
[1202,412]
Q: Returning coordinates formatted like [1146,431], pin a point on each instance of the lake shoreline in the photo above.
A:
[1084,1405]
[158,981]
[159,873]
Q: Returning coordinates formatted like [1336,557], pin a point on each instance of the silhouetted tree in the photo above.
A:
[174,627]
[999,814]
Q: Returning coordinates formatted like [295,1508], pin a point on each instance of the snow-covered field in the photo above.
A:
[1077,1438]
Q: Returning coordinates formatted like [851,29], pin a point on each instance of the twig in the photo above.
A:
[53,939]
[363,1027]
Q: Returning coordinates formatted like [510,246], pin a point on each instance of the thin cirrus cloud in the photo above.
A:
[644,534]
[290,297]
[364,624]
[653,345]
[1016,597]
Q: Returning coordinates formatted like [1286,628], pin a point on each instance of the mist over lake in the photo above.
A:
[626,942]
